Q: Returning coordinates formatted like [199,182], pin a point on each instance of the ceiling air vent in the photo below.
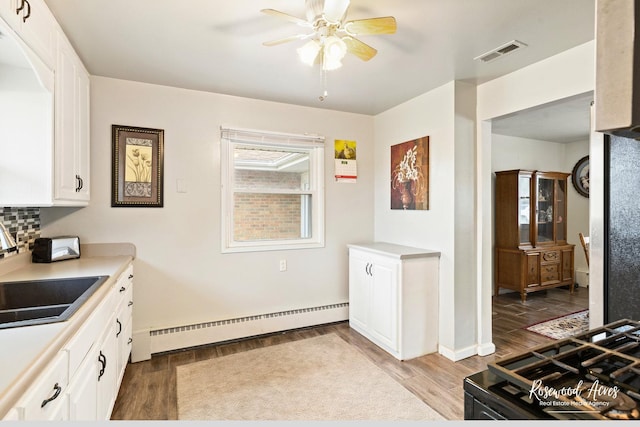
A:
[501,51]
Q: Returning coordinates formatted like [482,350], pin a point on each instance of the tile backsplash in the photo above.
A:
[24,224]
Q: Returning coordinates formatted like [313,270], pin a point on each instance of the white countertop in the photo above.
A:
[393,250]
[25,351]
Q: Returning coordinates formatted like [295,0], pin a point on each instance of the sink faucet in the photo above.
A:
[6,239]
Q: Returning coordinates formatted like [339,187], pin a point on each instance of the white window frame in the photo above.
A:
[314,144]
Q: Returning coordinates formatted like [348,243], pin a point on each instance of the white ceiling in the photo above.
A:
[216,45]
[564,121]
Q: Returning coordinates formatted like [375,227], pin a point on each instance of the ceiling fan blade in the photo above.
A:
[361,27]
[286,39]
[359,49]
[334,10]
[287,17]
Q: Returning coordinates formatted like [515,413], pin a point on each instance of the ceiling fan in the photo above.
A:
[330,35]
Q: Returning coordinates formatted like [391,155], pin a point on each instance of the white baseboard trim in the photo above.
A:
[456,355]
[141,345]
[486,349]
[186,336]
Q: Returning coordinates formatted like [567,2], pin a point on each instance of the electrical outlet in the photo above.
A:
[283,265]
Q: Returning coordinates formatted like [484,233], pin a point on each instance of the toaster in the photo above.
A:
[51,249]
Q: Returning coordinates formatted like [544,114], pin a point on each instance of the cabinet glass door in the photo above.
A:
[545,210]
[524,213]
[561,209]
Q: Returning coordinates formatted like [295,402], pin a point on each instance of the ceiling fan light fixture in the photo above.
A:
[335,47]
[333,51]
[309,52]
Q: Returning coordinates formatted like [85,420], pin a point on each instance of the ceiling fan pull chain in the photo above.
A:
[323,77]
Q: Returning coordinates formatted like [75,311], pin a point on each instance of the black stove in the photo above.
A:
[592,376]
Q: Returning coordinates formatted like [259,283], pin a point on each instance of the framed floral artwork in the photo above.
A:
[137,167]
[410,175]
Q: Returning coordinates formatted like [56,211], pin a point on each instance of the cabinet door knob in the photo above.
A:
[57,389]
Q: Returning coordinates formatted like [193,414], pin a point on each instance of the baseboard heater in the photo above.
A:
[174,338]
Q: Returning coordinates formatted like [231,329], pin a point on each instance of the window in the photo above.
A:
[272,191]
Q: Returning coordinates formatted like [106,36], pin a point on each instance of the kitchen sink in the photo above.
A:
[35,302]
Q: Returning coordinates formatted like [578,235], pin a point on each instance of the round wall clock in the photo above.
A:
[580,176]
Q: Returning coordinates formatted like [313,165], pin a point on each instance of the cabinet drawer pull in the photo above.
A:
[57,389]
[131,276]
[103,361]
[130,341]
[122,289]
[79,183]
[130,304]
[21,7]
[368,268]
[28,14]
[119,328]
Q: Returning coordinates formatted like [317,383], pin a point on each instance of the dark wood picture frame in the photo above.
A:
[580,176]
[137,167]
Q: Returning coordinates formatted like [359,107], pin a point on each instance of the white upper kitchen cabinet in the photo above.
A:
[44,111]
[35,24]
[71,126]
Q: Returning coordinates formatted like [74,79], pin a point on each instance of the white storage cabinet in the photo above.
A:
[81,382]
[393,297]
[35,24]
[71,126]
[123,320]
[57,138]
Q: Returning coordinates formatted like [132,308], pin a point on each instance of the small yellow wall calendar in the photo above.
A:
[346,169]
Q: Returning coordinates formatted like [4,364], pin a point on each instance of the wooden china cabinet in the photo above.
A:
[532,252]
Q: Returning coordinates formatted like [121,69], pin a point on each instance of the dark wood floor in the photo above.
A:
[148,389]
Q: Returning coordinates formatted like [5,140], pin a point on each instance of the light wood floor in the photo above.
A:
[148,389]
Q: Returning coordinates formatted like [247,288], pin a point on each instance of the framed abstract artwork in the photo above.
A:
[137,167]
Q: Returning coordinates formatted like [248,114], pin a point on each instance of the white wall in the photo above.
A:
[181,276]
[447,116]
[510,152]
[578,208]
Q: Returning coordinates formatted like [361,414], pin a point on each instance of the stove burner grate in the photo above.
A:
[606,358]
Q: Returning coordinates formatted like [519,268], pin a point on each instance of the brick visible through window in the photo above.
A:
[273,192]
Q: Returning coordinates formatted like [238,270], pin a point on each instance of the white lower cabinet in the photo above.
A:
[93,390]
[123,319]
[393,297]
[83,393]
[46,399]
[373,296]
[107,372]
[81,383]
